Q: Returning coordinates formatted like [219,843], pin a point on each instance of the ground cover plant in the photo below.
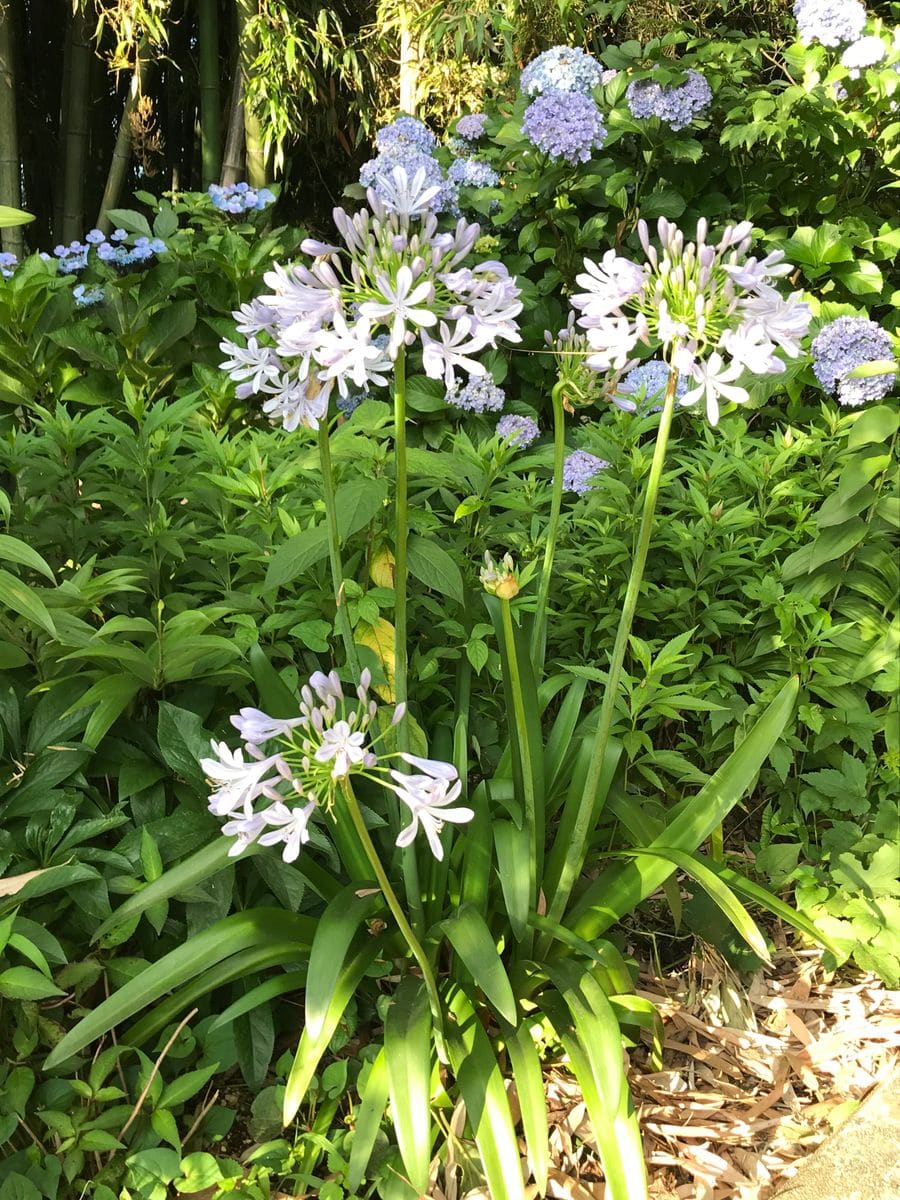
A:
[476,581]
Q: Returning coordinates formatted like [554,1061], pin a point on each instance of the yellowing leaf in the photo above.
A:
[381,568]
[14,883]
[379,637]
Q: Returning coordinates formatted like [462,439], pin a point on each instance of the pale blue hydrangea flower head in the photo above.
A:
[404,134]
[580,471]
[643,388]
[8,264]
[867,52]
[409,144]
[561,69]
[347,405]
[519,431]
[73,257]
[676,105]
[471,127]
[844,344]
[238,198]
[87,297]
[564,125]
[472,172]
[479,395]
[830,22]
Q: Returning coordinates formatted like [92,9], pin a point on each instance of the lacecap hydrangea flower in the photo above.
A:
[580,471]
[845,344]
[87,297]
[8,264]
[479,395]
[830,22]
[340,323]
[701,304]
[518,431]
[676,105]
[561,69]
[239,198]
[471,126]
[644,387]
[564,125]
[286,774]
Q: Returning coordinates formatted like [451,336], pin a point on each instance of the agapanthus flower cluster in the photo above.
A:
[472,172]
[8,264]
[580,471]
[471,127]
[321,327]
[288,770]
[561,69]
[643,388]
[845,344]
[867,52]
[830,22]
[409,144]
[479,395]
[676,105]
[564,125]
[87,297]
[517,430]
[712,309]
[237,198]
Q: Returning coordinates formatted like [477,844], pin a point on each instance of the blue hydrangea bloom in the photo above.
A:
[676,105]
[561,69]
[830,22]
[118,235]
[72,258]
[350,403]
[86,297]
[644,387]
[520,431]
[128,256]
[8,264]
[472,172]
[471,126]
[95,236]
[844,344]
[479,395]
[403,134]
[239,198]
[564,125]
[580,471]
[867,52]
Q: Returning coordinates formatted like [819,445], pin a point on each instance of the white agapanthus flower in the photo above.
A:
[711,308]
[333,739]
[340,322]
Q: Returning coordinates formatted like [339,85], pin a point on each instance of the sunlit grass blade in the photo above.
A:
[408,1053]
[620,890]
[372,1102]
[511,845]
[480,1082]
[310,1050]
[718,892]
[470,937]
[529,1080]
[254,928]
[335,930]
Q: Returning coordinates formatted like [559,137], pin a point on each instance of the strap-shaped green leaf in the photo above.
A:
[335,930]
[470,937]
[529,1080]
[372,1102]
[310,1050]
[607,956]
[480,1081]
[408,1049]
[511,844]
[596,1026]
[253,928]
[717,890]
[263,993]
[620,890]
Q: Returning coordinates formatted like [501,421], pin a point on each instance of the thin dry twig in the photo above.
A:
[165,1050]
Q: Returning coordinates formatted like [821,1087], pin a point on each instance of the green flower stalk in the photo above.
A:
[334,550]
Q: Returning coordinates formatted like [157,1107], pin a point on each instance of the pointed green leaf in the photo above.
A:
[528,1077]
[24,600]
[408,1053]
[470,937]
[511,845]
[372,1102]
[14,550]
[335,930]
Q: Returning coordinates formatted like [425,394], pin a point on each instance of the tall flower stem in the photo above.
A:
[397,912]
[585,815]
[539,629]
[334,549]
[401,579]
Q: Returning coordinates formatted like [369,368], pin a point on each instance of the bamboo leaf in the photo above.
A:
[470,937]
[408,1053]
